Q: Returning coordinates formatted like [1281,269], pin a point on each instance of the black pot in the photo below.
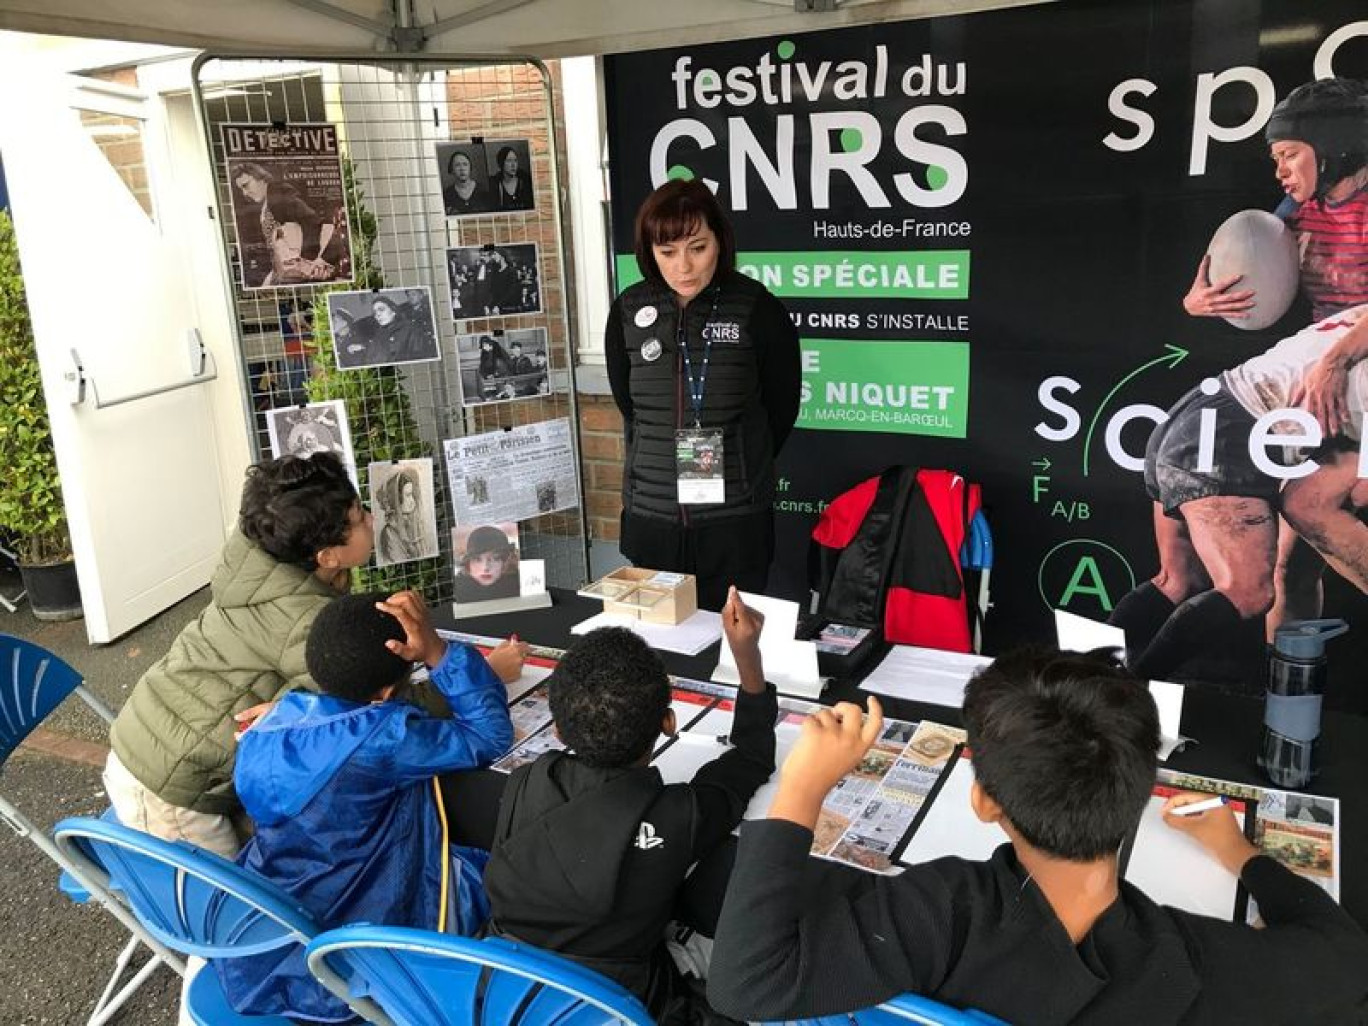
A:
[53,592]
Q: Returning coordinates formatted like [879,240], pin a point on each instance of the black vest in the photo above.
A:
[661,402]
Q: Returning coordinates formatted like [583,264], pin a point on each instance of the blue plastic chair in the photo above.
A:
[193,901]
[421,978]
[907,1008]
[34,682]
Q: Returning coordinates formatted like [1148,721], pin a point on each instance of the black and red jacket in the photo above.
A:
[888,552]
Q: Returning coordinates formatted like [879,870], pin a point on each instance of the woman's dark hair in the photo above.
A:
[459,153]
[295,507]
[252,170]
[674,211]
[502,155]
[486,539]
[609,695]
[1067,744]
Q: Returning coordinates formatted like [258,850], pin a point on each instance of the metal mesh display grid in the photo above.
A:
[390,118]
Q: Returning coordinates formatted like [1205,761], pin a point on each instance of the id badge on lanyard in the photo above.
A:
[698,466]
[698,450]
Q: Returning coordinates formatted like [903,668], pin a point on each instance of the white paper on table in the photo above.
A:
[531,676]
[790,665]
[924,675]
[688,708]
[696,747]
[1173,869]
[1079,634]
[688,638]
[950,826]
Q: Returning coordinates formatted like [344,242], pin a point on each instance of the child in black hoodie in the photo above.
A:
[592,846]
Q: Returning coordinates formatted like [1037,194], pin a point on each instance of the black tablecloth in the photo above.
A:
[1225,729]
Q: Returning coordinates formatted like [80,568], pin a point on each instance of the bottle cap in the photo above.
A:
[1305,639]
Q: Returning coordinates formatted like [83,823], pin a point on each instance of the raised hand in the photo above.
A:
[421,642]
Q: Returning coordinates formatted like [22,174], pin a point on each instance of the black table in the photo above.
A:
[1226,728]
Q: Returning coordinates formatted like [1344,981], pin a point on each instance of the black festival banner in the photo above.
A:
[985,227]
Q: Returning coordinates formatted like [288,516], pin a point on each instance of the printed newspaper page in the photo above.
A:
[512,475]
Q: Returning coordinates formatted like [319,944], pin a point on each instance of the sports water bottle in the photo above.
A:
[1292,700]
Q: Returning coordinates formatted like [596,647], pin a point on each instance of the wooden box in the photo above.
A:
[653,596]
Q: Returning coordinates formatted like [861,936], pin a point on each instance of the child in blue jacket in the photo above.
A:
[339,785]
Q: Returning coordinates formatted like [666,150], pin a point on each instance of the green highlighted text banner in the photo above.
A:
[835,274]
[911,388]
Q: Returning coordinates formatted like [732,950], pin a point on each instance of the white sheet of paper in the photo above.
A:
[1079,634]
[791,666]
[689,638]
[1173,869]
[697,746]
[950,826]
[924,675]
[530,678]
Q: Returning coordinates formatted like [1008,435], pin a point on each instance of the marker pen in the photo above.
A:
[1195,808]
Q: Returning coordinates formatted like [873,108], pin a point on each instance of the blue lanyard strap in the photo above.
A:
[698,385]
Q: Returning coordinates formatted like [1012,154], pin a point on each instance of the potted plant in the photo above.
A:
[32,515]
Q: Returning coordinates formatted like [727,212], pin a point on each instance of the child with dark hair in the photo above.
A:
[1064,755]
[339,784]
[591,845]
[301,530]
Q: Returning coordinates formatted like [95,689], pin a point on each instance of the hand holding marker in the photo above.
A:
[1195,808]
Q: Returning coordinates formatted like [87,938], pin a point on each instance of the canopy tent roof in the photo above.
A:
[544,28]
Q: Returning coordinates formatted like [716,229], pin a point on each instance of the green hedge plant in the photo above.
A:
[32,514]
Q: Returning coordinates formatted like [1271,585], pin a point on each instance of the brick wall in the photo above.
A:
[509,97]
[601,438]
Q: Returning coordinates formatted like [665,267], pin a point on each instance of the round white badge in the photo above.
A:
[646,316]
[650,350]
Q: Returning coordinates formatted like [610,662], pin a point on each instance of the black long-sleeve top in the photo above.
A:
[781,378]
[982,935]
[587,861]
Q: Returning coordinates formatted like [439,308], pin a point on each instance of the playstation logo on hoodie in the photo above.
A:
[646,838]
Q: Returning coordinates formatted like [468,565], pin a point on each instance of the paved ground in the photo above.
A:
[56,956]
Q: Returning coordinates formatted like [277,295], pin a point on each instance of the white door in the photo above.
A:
[108,280]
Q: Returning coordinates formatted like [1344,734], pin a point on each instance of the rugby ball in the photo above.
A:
[1258,246]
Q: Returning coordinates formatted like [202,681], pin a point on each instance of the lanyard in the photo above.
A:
[697,386]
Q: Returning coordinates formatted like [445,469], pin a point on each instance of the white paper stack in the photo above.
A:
[688,638]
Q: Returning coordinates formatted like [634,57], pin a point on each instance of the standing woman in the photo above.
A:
[700,356]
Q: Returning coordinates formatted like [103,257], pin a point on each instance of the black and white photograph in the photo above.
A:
[402,503]
[465,179]
[510,175]
[383,326]
[494,281]
[311,428]
[497,366]
[289,204]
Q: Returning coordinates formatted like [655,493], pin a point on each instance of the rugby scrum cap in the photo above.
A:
[1331,116]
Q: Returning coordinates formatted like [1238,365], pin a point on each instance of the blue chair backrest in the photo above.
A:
[33,682]
[907,1008]
[191,900]
[422,978]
